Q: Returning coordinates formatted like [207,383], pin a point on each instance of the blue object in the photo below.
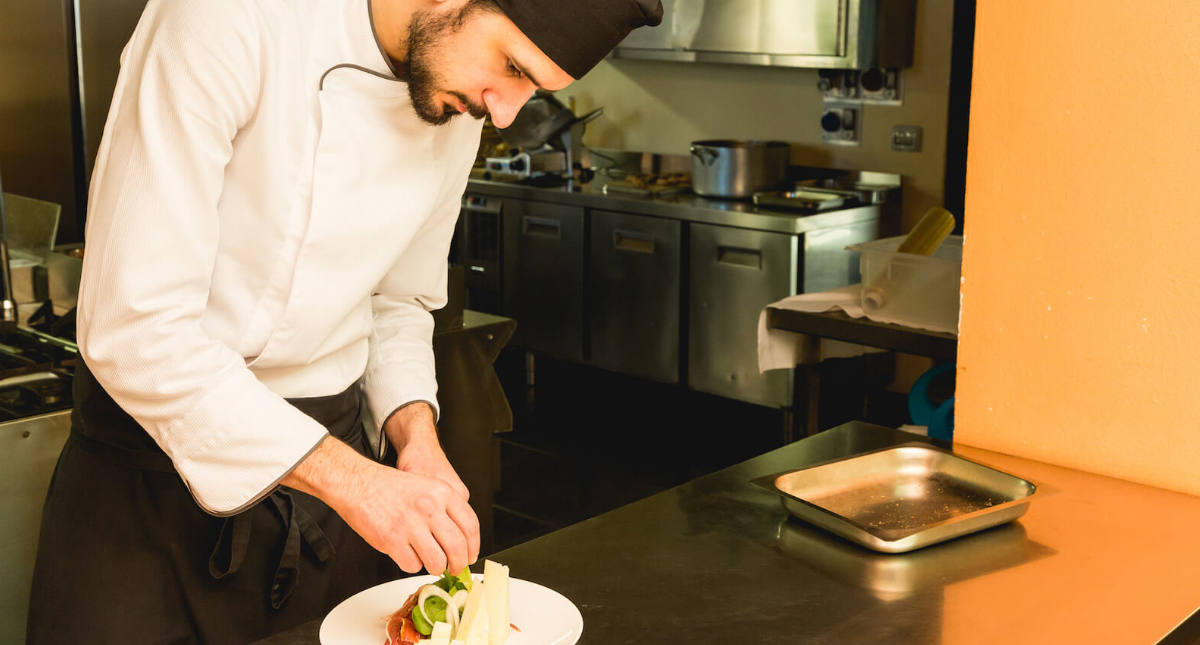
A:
[939,419]
[941,425]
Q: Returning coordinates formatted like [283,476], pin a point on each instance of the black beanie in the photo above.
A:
[577,34]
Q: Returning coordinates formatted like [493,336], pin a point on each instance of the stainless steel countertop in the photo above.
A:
[1096,560]
[681,206]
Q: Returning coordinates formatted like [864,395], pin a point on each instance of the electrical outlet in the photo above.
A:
[906,138]
[839,84]
[841,124]
[881,86]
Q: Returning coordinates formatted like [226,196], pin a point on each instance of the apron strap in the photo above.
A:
[234,539]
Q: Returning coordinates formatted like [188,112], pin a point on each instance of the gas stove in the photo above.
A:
[36,365]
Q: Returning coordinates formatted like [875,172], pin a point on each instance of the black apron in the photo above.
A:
[126,556]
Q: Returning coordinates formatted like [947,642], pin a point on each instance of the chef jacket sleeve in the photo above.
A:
[189,81]
[400,364]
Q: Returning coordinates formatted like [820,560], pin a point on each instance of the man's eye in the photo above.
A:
[512,70]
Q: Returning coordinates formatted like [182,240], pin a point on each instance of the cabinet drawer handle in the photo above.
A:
[542,227]
[633,242]
[749,258]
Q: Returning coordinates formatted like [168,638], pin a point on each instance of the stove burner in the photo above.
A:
[37,365]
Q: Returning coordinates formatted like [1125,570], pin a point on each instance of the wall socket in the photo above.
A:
[839,84]
[841,124]
[878,86]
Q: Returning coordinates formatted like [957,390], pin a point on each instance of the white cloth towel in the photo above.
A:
[780,349]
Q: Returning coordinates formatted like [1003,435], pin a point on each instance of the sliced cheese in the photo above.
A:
[495,578]
[441,632]
[479,632]
[474,612]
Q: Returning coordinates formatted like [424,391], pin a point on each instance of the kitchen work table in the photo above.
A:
[837,325]
[1095,560]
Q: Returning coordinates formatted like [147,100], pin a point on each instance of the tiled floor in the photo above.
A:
[587,441]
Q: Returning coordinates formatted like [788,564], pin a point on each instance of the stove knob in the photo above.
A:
[517,165]
[831,122]
[872,80]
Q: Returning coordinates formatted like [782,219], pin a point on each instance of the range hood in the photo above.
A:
[824,34]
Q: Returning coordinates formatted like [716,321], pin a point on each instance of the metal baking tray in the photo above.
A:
[901,498]
[802,200]
[649,191]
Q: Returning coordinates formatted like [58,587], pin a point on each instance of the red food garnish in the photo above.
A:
[400,627]
[514,627]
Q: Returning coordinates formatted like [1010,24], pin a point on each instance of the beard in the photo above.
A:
[427,33]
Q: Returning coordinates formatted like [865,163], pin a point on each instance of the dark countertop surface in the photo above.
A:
[718,561]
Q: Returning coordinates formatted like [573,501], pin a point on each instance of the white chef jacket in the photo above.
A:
[265,221]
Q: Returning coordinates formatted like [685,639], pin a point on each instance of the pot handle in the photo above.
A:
[705,155]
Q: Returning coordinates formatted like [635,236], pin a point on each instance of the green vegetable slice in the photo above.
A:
[435,610]
[451,583]
[423,625]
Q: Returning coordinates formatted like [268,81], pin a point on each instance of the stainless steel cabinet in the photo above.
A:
[635,286]
[734,274]
[544,276]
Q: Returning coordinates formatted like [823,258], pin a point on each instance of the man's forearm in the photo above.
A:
[417,519]
[414,421]
[333,473]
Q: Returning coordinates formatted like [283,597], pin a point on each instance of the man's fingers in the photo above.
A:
[461,489]
[430,552]
[464,516]
[404,557]
[453,543]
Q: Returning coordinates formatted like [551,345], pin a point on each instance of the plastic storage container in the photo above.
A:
[916,290]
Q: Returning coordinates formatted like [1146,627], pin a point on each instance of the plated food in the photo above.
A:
[544,616]
[455,610]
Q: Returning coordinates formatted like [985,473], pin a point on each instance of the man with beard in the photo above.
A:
[268,227]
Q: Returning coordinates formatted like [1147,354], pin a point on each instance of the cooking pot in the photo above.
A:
[732,169]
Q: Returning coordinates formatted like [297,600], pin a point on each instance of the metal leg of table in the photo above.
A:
[826,395]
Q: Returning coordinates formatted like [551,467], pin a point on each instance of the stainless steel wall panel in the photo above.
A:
[104,28]
[37,137]
[635,278]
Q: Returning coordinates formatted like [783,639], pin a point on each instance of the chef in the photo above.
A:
[268,227]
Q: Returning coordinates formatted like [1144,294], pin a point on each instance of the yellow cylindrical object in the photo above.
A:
[929,233]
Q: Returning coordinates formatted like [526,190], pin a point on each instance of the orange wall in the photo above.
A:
[1080,330]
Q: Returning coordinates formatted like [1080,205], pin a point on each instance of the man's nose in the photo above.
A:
[504,106]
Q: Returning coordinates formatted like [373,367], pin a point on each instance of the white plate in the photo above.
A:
[544,616]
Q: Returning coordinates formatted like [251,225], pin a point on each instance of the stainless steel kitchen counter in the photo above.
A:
[683,206]
[1095,560]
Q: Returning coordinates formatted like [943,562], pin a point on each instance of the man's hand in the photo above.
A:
[416,520]
[414,435]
